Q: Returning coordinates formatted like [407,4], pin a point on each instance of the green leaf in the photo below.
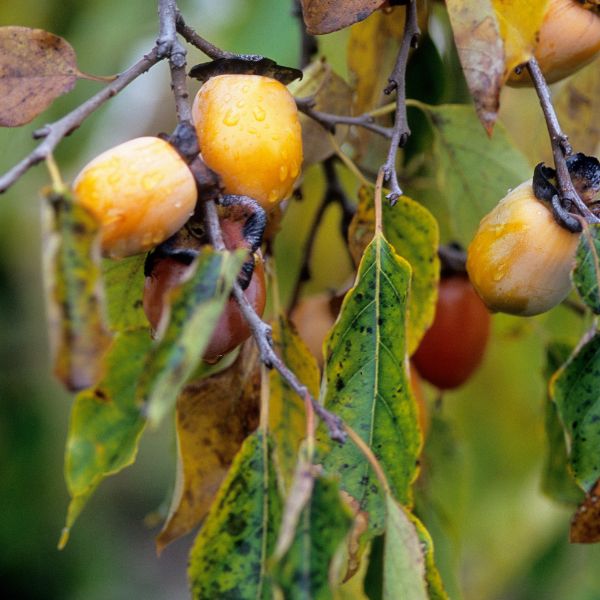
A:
[367,382]
[575,391]
[287,413]
[473,172]
[403,559]
[413,232]
[194,314]
[586,275]
[435,587]
[557,480]
[228,559]
[303,572]
[124,283]
[74,294]
[106,423]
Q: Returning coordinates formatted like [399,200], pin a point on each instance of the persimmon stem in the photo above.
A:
[169,47]
[397,82]
[561,148]
[54,133]
[262,334]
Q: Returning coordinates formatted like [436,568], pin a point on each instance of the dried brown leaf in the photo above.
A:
[35,68]
[325,16]
[481,51]
[213,418]
[585,525]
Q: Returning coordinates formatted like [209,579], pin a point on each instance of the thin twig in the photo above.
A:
[330,120]
[561,148]
[334,192]
[308,43]
[190,35]
[170,47]
[262,335]
[397,81]
[53,133]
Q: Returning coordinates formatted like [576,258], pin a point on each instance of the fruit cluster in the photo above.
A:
[142,192]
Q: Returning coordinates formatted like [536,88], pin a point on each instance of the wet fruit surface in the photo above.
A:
[141,192]
[249,133]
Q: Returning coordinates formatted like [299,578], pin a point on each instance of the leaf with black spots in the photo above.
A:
[586,275]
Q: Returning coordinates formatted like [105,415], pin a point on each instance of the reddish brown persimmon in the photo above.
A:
[453,346]
[231,329]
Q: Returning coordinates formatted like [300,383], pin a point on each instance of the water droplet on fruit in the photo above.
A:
[259,113]
[231,118]
[273,196]
[283,173]
[294,169]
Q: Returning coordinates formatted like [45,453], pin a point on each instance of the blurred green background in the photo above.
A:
[497,536]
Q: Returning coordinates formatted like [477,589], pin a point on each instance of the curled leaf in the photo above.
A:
[35,68]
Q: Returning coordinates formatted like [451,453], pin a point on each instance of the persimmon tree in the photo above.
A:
[298,465]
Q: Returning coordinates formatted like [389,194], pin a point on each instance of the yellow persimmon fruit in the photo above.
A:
[568,40]
[520,259]
[140,191]
[249,133]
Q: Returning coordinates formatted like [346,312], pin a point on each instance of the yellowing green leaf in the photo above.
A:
[74,293]
[520,23]
[228,559]
[106,422]
[124,284]
[413,232]
[367,382]
[575,391]
[287,419]
[195,309]
[213,417]
[304,570]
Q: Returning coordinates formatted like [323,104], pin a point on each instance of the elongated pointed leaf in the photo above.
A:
[586,275]
[287,418]
[404,573]
[303,573]
[74,293]
[124,284]
[473,173]
[106,422]
[229,557]
[367,382]
[557,480]
[195,311]
[213,417]
[479,43]
[575,391]
[413,232]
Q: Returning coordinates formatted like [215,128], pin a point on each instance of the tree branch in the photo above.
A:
[561,148]
[397,81]
[53,133]
[330,120]
[262,335]
[190,35]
